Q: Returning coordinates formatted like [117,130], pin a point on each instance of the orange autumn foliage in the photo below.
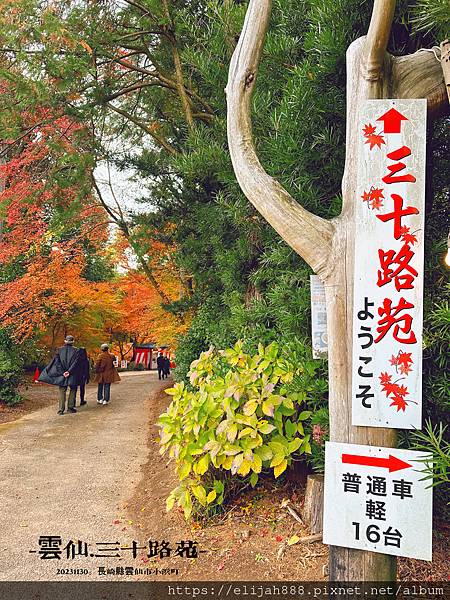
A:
[48,228]
[143,318]
[49,231]
[52,298]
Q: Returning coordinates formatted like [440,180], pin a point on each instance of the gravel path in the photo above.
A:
[70,476]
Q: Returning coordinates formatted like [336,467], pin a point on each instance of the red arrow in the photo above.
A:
[392,121]
[392,463]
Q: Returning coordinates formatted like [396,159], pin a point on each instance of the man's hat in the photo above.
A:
[69,339]
[104,347]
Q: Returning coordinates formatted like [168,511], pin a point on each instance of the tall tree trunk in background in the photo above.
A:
[328,246]
[171,36]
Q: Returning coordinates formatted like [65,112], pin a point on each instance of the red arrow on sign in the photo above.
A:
[392,463]
[392,121]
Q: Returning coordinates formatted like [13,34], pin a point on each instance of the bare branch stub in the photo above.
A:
[421,75]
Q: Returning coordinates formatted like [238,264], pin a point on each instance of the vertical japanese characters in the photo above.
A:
[387,333]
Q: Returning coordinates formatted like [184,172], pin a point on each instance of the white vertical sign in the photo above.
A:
[318,318]
[388,284]
[376,499]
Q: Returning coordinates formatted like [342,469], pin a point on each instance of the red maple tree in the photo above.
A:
[48,225]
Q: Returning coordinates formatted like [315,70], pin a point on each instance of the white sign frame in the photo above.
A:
[351,519]
[388,295]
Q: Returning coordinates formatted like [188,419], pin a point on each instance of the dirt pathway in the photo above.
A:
[71,476]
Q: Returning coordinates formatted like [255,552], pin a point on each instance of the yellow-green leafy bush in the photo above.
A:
[238,419]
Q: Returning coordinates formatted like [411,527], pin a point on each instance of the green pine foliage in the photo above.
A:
[247,282]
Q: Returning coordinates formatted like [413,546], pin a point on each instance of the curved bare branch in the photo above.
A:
[377,37]
[285,215]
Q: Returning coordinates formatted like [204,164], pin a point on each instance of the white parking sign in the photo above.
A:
[375,500]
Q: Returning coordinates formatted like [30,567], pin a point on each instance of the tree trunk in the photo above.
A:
[312,512]
[347,564]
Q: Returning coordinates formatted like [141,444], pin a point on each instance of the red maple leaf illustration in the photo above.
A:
[396,392]
[390,388]
[385,378]
[409,238]
[402,390]
[404,369]
[399,402]
[366,196]
[404,358]
[376,193]
[376,204]
[375,140]
[393,360]
[369,130]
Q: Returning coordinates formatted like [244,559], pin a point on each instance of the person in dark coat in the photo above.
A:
[160,365]
[106,374]
[62,372]
[83,373]
[166,367]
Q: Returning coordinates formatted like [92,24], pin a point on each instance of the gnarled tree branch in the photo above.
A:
[285,215]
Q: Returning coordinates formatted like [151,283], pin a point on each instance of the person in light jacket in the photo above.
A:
[105,374]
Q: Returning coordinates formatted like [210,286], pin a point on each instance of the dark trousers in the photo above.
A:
[104,391]
[82,391]
[161,373]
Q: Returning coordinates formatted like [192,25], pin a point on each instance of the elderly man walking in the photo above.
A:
[105,374]
[62,372]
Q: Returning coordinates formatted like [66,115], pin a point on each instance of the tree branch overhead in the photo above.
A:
[275,204]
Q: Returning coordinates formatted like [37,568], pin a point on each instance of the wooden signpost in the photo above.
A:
[375,497]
